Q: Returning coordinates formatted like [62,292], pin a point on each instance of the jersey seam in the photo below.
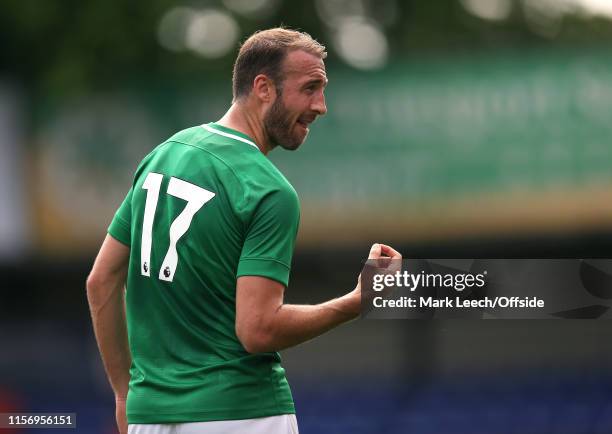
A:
[122,241]
[123,221]
[121,225]
[264,259]
[222,133]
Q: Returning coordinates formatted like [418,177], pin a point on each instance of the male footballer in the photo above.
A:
[202,246]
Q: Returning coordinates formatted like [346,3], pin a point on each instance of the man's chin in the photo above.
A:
[291,146]
[297,143]
[294,142]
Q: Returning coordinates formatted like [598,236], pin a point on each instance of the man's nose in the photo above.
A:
[318,105]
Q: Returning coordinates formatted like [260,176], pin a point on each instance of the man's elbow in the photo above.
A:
[97,281]
[92,283]
[100,289]
[255,340]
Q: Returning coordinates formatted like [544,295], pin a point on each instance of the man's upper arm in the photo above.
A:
[120,227]
[270,238]
[257,299]
[111,266]
[265,264]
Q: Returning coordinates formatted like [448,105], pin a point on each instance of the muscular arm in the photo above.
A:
[105,294]
[264,323]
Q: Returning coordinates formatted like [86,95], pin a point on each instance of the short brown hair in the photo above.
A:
[263,53]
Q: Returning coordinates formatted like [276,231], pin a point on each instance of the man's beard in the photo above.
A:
[278,126]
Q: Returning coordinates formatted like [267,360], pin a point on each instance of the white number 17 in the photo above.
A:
[195,196]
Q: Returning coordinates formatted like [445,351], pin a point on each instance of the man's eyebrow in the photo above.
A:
[322,81]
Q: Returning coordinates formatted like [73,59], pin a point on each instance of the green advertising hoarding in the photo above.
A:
[426,149]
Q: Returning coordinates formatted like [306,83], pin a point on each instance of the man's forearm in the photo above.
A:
[293,324]
[108,317]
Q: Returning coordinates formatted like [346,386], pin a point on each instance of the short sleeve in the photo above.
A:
[270,238]
[120,227]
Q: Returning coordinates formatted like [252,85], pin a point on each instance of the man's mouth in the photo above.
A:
[305,122]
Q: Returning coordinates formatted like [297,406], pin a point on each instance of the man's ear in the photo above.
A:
[264,89]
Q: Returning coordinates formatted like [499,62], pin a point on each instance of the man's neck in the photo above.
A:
[246,121]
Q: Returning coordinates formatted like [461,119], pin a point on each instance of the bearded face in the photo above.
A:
[283,127]
[299,100]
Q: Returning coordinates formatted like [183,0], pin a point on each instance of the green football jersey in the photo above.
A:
[206,206]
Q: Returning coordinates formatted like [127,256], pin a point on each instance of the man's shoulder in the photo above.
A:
[189,135]
[196,143]
[226,149]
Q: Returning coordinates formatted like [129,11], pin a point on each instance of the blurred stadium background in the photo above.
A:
[456,128]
